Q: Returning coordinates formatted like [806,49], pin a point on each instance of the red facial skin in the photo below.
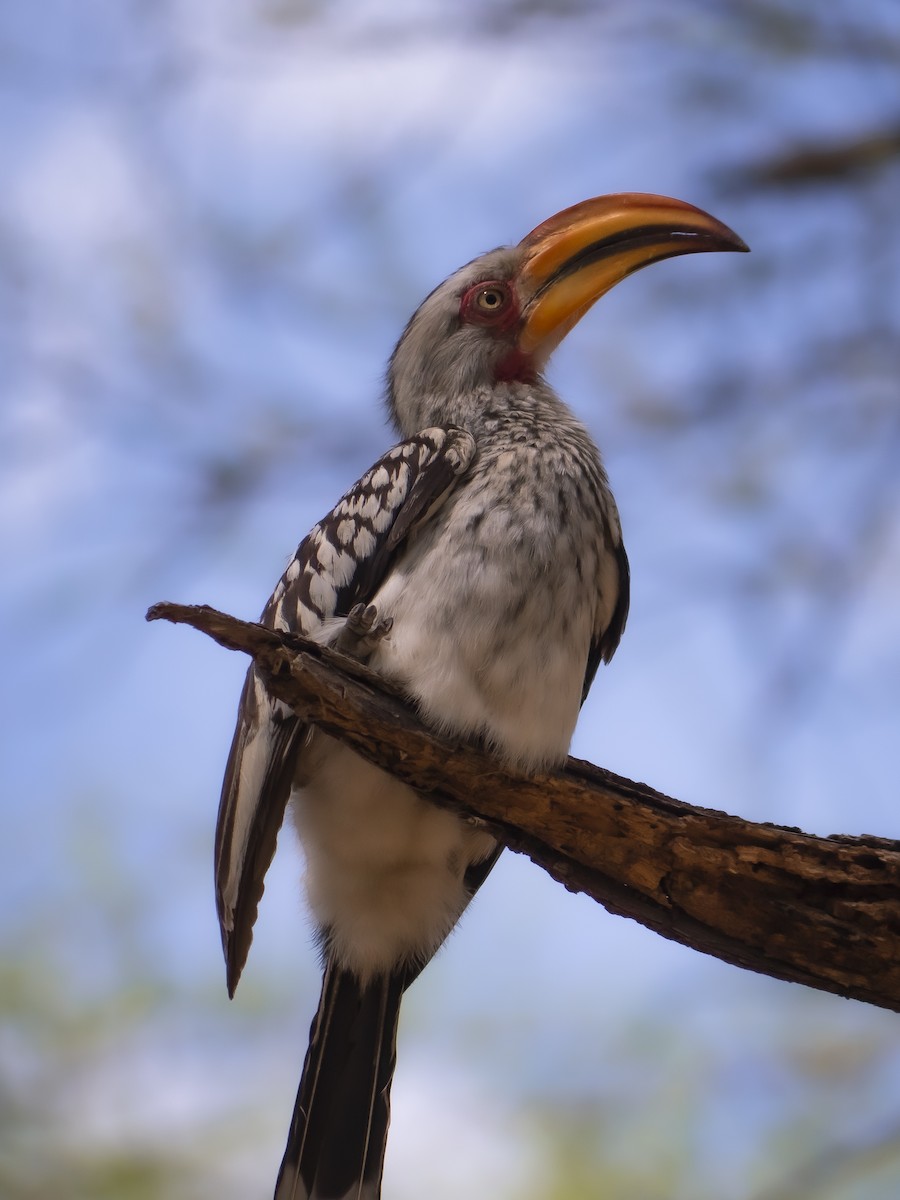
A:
[504,319]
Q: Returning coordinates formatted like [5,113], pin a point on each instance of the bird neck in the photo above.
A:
[480,409]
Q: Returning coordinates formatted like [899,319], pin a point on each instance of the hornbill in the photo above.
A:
[479,564]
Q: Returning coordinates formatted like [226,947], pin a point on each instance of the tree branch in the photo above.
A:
[824,911]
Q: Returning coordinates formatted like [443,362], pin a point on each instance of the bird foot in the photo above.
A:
[362,632]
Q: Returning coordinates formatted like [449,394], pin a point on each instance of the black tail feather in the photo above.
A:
[336,1145]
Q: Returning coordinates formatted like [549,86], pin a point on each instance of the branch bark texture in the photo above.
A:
[823,911]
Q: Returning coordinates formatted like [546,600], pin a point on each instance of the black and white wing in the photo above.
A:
[616,589]
[341,562]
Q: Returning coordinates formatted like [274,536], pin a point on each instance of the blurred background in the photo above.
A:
[215,219]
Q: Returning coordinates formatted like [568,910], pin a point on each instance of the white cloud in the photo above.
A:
[330,98]
[436,1107]
[79,185]
[56,462]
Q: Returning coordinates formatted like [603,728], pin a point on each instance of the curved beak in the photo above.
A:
[572,259]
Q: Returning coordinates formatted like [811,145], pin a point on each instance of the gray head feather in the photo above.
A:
[440,359]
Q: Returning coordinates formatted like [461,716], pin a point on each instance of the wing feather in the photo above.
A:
[340,563]
[607,637]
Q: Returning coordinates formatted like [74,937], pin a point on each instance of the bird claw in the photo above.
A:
[362,632]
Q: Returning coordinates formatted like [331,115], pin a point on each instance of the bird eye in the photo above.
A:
[487,303]
[490,299]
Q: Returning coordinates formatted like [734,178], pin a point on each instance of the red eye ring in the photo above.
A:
[487,303]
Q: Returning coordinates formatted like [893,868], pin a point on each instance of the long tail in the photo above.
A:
[335,1148]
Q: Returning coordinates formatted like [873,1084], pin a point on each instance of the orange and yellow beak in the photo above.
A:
[572,259]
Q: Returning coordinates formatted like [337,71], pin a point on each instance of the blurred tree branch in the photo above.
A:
[840,161]
[824,911]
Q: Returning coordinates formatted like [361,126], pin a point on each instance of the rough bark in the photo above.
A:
[823,911]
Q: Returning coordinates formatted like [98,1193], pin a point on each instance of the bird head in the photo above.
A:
[498,319]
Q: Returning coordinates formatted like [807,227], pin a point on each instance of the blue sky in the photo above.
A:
[214,222]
